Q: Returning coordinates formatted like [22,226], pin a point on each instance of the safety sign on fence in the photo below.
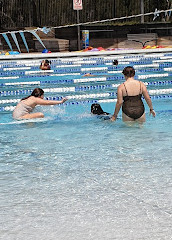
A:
[77,4]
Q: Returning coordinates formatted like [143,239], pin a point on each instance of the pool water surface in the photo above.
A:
[74,176]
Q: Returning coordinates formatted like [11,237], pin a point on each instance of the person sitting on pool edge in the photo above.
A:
[45,65]
[24,108]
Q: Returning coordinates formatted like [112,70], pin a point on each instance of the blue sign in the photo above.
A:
[85,38]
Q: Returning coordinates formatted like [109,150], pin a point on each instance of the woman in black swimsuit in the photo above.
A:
[129,96]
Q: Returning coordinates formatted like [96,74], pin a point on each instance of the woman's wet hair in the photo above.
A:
[129,71]
[37,92]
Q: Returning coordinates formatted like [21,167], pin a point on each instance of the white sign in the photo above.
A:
[77,4]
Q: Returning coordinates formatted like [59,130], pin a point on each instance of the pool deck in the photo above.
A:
[82,54]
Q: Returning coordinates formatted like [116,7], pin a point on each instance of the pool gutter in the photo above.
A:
[82,54]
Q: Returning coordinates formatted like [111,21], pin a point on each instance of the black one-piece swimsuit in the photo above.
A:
[133,106]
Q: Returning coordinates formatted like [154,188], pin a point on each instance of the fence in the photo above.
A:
[29,13]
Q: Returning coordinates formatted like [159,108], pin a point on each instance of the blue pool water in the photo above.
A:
[75,176]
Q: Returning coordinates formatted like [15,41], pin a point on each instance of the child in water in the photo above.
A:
[45,65]
[24,108]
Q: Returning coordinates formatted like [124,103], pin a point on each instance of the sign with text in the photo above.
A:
[77,4]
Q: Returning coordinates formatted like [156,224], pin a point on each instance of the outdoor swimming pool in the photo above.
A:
[75,176]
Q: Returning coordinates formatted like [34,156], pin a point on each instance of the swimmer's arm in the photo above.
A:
[118,104]
[148,100]
[40,101]
[42,64]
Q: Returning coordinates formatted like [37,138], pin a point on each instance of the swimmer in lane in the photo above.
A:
[45,65]
[115,62]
